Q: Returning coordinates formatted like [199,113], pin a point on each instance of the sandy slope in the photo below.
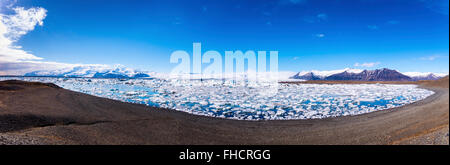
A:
[33,113]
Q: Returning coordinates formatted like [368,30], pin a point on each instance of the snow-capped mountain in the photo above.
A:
[424,76]
[247,76]
[371,75]
[307,76]
[366,75]
[92,71]
[317,75]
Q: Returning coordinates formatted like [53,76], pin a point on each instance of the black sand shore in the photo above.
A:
[35,113]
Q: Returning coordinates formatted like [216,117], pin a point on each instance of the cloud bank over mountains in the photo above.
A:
[12,27]
[14,60]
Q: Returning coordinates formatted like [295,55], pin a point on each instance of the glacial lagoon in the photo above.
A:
[247,101]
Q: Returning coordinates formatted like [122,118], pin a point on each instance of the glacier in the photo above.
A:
[92,71]
[246,100]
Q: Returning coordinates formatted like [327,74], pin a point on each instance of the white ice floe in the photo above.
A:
[247,100]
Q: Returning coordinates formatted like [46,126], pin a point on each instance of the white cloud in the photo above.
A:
[372,27]
[430,58]
[321,35]
[423,74]
[6,4]
[13,59]
[12,27]
[438,6]
[367,64]
[22,67]
[322,16]
[177,21]
[297,1]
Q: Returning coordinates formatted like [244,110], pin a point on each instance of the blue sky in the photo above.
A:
[407,35]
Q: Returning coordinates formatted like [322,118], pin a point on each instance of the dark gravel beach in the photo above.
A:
[37,113]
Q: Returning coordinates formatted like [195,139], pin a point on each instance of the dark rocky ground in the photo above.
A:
[36,113]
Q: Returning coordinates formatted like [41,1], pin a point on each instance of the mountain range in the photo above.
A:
[384,74]
[119,71]
[93,71]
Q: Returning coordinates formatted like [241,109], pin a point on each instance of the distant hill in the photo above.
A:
[442,82]
[384,74]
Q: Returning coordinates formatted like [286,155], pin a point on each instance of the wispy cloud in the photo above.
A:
[321,17]
[367,64]
[266,13]
[292,1]
[438,6]
[372,27]
[393,22]
[12,27]
[320,35]
[13,59]
[6,4]
[431,58]
[177,21]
